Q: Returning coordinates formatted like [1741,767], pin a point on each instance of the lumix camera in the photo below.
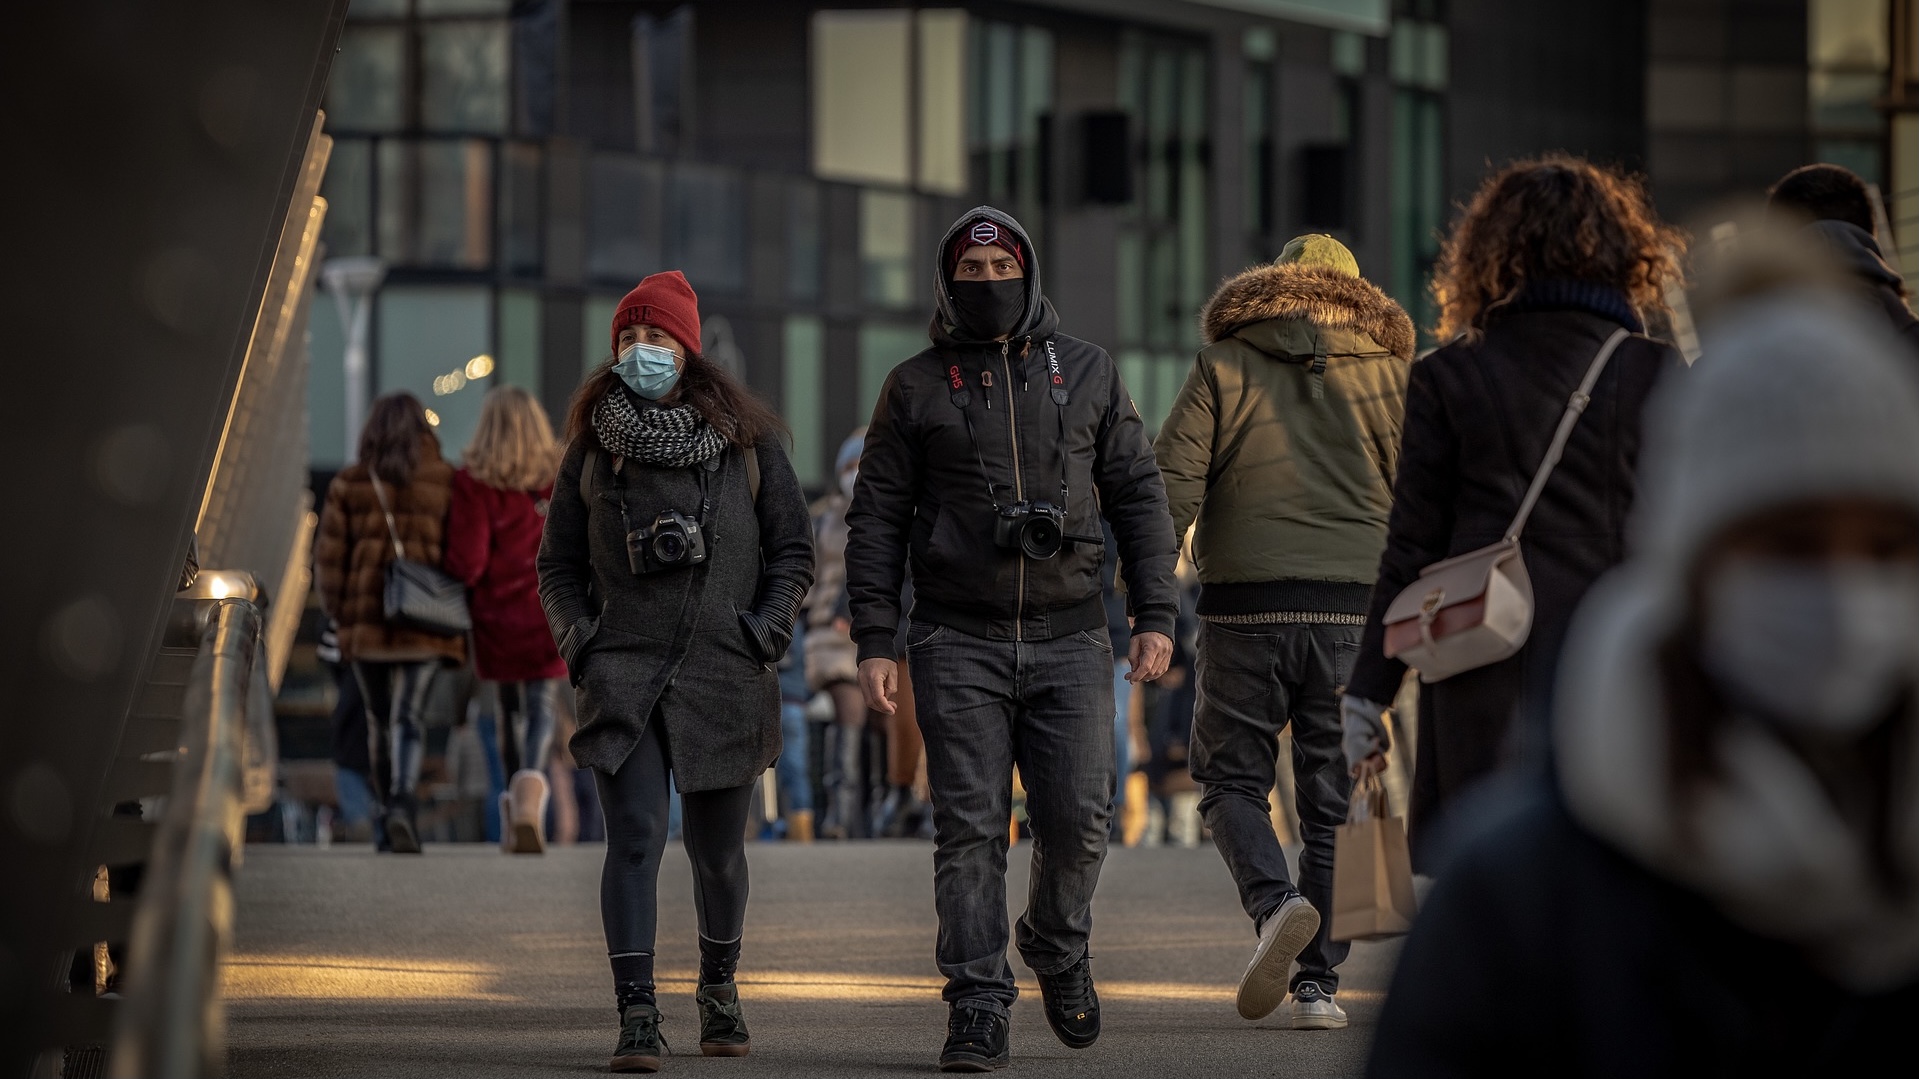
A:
[1035,529]
[672,541]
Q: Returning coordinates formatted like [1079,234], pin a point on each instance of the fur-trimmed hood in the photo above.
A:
[1320,295]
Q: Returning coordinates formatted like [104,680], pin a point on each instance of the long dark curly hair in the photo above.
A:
[735,411]
[1557,216]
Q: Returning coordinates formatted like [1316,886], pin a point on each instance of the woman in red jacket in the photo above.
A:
[493,534]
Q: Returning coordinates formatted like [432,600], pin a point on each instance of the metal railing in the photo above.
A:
[171,1023]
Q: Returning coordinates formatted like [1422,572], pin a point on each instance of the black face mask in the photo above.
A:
[989,309]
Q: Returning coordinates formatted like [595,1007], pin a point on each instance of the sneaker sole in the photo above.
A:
[399,835]
[973,1063]
[1068,1039]
[1263,988]
[634,1064]
[724,1049]
[1318,1022]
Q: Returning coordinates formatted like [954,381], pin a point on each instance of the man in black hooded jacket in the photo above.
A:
[1832,205]
[990,458]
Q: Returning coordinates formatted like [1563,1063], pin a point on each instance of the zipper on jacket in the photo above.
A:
[1019,489]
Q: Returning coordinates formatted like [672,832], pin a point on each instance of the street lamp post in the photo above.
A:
[352,280]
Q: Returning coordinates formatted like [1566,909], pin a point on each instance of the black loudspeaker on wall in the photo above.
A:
[1325,185]
[1106,158]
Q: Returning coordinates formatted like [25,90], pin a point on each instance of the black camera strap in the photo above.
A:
[961,398]
[705,472]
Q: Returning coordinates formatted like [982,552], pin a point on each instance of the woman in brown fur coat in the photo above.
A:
[399,463]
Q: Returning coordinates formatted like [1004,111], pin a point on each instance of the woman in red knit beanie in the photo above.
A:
[676,552]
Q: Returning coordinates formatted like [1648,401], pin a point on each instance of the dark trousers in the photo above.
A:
[985,706]
[1253,681]
[634,800]
[396,696]
[524,714]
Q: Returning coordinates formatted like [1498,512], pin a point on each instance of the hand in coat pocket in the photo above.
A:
[764,638]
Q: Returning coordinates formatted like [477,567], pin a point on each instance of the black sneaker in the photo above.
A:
[1072,1006]
[402,832]
[976,1040]
[722,1022]
[641,1043]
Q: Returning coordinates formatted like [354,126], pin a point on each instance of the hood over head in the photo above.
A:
[945,331]
[1857,252]
[1309,282]
[1801,394]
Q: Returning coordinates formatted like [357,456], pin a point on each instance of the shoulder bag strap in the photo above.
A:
[399,549]
[1574,408]
[753,473]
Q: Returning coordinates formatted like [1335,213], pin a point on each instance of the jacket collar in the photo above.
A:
[1561,294]
[1317,295]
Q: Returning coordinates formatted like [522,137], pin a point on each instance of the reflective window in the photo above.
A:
[1163,272]
[326,384]
[1419,62]
[519,344]
[464,7]
[363,89]
[884,346]
[942,101]
[887,265]
[436,202]
[803,241]
[706,227]
[520,234]
[1848,53]
[1012,96]
[624,196]
[463,76]
[862,95]
[661,66]
[348,190]
[426,333]
[596,330]
[802,396]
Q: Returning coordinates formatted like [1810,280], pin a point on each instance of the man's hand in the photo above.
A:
[880,681]
[1363,735]
[1148,654]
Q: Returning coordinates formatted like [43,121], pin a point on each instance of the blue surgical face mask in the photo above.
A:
[648,370]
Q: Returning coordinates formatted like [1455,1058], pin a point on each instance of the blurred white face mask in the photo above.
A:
[1817,646]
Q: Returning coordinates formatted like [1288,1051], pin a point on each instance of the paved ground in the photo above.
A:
[465,962]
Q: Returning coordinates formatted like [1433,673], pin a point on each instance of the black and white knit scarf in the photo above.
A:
[667,437]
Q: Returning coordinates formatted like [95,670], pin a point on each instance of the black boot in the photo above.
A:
[1072,1007]
[641,1043]
[402,829]
[976,1040]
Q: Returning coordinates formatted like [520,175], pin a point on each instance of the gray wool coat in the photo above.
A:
[672,644]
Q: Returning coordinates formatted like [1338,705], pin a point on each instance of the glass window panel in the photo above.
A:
[596,325]
[942,101]
[463,76]
[884,346]
[376,9]
[1135,371]
[1863,156]
[1848,34]
[862,96]
[426,332]
[1404,192]
[464,7]
[803,241]
[886,247]
[1404,51]
[803,396]
[706,223]
[519,353]
[1131,271]
[326,384]
[436,202]
[1349,53]
[1847,101]
[1433,58]
[348,190]
[1000,104]
[520,246]
[624,195]
[1169,374]
[364,88]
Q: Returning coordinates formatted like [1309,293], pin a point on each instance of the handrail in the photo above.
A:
[170,1025]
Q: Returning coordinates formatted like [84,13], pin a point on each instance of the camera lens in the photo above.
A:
[669,546]
[1041,538]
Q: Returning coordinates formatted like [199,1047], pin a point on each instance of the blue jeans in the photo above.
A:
[796,789]
[1122,731]
[985,706]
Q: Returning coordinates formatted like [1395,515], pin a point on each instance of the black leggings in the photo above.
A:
[713,825]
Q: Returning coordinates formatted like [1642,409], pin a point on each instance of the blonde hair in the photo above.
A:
[513,449]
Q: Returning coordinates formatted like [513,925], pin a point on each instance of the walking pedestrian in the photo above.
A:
[1281,446]
[1722,880]
[499,508]
[393,498]
[1831,204]
[988,462]
[1550,258]
[793,779]
[832,665]
[675,557]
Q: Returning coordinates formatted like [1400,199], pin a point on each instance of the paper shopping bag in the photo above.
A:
[1372,873]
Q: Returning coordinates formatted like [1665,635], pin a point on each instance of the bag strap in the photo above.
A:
[586,474]
[1574,408]
[399,549]
[753,473]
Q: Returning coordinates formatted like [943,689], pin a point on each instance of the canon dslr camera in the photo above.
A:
[1035,529]
[672,541]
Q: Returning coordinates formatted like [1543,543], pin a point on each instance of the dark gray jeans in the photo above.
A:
[1253,681]
[985,706]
